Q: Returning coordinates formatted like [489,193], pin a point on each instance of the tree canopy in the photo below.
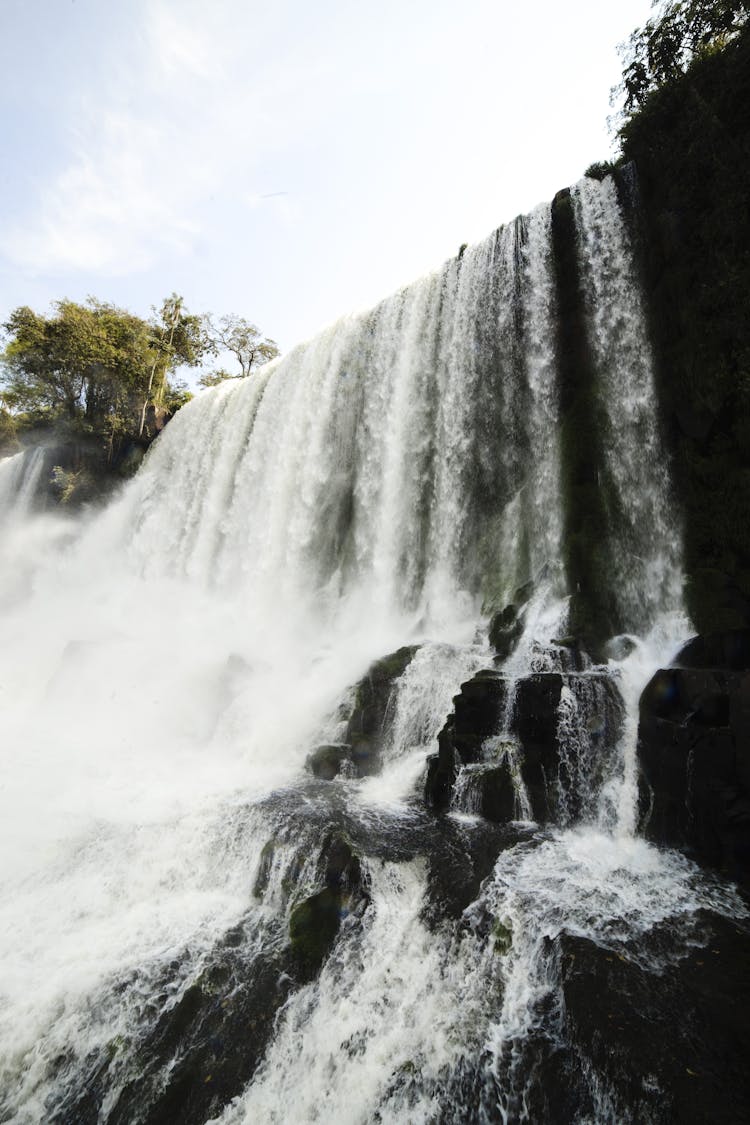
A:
[244,340]
[96,368]
[98,371]
[665,46]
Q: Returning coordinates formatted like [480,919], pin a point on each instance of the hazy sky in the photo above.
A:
[286,161]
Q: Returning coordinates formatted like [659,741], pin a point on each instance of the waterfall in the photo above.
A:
[170,670]
[20,477]
[644,524]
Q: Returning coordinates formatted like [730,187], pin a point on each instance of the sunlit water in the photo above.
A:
[169,663]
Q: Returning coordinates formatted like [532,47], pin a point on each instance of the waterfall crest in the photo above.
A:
[168,677]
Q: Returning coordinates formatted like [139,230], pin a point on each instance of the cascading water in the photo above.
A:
[19,482]
[168,677]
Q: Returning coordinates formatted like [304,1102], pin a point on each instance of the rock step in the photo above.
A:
[694,753]
[518,730]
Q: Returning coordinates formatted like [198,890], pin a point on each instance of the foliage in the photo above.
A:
[177,338]
[95,369]
[600,170]
[661,50]
[214,378]
[234,334]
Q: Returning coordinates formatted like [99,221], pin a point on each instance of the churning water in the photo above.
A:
[164,676]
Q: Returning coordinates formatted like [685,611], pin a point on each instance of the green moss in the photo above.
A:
[313,926]
[502,935]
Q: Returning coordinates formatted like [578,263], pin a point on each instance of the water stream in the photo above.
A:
[166,672]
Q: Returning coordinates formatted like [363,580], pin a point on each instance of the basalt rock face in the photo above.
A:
[694,751]
[477,714]
[691,146]
[315,922]
[667,1033]
[372,696]
[204,1048]
[540,745]
[359,752]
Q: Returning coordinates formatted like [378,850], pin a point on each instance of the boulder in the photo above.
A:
[477,714]
[505,630]
[367,722]
[694,753]
[331,760]
[555,755]
[729,651]
[666,1031]
[314,922]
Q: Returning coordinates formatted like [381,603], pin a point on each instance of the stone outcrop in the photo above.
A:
[694,752]
[314,922]
[667,1032]
[523,741]
[359,752]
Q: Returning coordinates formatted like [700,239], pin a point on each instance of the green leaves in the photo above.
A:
[236,335]
[664,47]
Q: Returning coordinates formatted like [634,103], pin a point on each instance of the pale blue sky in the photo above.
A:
[145,141]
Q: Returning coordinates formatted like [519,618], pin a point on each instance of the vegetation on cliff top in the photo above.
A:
[101,383]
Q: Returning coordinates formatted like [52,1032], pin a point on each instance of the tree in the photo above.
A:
[236,335]
[83,364]
[96,368]
[664,47]
[214,378]
[178,338]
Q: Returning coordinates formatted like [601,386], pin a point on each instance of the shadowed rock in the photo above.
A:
[694,752]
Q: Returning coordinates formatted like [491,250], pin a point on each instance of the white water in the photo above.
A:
[179,660]
[20,476]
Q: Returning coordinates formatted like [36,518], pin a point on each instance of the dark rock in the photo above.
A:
[477,714]
[505,630]
[366,726]
[327,762]
[531,748]
[315,922]
[694,752]
[496,794]
[203,1049]
[669,1042]
[729,650]
[459,859]
[312,928]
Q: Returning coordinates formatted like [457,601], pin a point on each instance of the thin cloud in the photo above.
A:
[142,158]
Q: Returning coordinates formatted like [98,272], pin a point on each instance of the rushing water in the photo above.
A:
[164,677]
[19,481]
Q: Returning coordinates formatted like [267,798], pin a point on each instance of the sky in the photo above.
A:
[286,161]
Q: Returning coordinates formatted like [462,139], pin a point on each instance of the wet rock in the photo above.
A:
[312,928]
[557,765]
[315,922]
[694,753]
[372,696]
[618,648]
[459,859]
[505,630]
[203,1049]
[496,794]
[477,714]
[668,1042]
[729,651]
[331,760]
